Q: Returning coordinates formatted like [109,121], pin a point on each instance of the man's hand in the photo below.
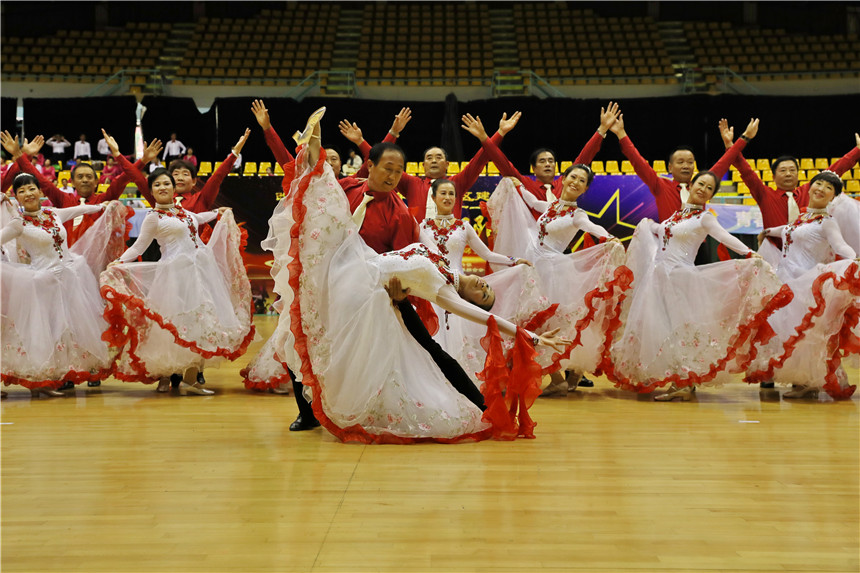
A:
[351,131]
[237,149]
[608,117]
[31,148]
[506,124]
[395,290]
[618,127]
[10,144]
[752,129]
[474,126]
[152,151]
[400,121]
[258,108]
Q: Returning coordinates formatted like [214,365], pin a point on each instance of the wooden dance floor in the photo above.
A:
[124,479]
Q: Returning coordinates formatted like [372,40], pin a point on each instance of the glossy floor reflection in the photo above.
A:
[121,478]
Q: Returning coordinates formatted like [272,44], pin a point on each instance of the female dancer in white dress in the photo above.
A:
[371,381]
[587,285]
[813,332]
[449,237]
[193,304]
[51,311]
[686,325]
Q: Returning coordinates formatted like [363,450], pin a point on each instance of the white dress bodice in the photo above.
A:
[451,242]
[419,270]
[808,242]
[175,231]
[44,238]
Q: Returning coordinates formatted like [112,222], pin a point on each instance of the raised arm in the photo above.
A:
[21,155]
[490,144]
[845,163]
[69,213]
[720,167]
[608,117]
[748,175]
[210,189]
[533,202]
[273,140]
[11,230]
[709,222]
[587,225]
[352,132]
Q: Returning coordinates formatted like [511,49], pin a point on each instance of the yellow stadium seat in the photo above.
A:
[565,165]
[736,176]
[762,164]
[250,168]
[205,168]
[659,166]
[64,175]
[597,167]
[806,163]
[492,169]
[412,167]
[218,164]
[801,175]
[453,168]
[264,167]
[821,163]
[103,187]
[852,186]
[751,163]
[767,175]
[612,168]
[627,167]
[812,173]
[278,169]
[743,189]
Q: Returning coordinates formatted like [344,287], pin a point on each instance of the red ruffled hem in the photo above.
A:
[75,376]
[840,344]
[756,331]
[354,433]
[616,287]
[120,332]
[269,383]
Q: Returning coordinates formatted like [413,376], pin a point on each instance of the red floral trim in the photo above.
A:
[524,383]
[183,216]
[75,376]
[842,342]
[353,433]
[495,376]
[755,331]
[555,211]
[268,383]
[50,225]
[442,234]
[540,318]
[677,217]
[120,331]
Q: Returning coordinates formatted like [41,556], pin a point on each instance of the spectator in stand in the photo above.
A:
[353,164]
[58,145]
[103,149]
[189,157]
[237,166]
[173,150]
[47,169]
[153,165]
[111,169]
[269,172]
[66,187]
[83,149]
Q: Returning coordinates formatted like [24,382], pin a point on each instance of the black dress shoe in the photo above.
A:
[67,386]
[768,384]
[301,425]
[175,380]
[94,383]
[200,379]
[586,383]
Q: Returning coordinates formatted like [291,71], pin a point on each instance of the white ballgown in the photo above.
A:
[193,304]
[684,324]
[52,321]
[371,380]
[814,332]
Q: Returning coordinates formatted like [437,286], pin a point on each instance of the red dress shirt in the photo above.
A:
[387,225]
[667,192]
[273,140]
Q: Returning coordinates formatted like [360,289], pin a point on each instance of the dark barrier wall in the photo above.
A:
[8,113]
[803,126]
[73,116]
[165,115]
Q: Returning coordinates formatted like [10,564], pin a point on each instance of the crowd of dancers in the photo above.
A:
[381,334]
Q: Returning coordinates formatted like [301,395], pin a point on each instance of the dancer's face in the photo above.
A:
[574,185]
[821,193]
[333,158]
[29,196]
[785,176]
[185,182]
[682,165]
[476,290]
[385,174]
[84,181]
[702,190]
[544,167]
[162,190]
[435,163]
[445,198]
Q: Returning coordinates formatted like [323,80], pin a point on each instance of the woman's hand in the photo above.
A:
[152,151]
[237,149]
[351,131]
[523,262]
[10,144]
[761,237]
[726,132]
[752,129]
[111,143]
[506,124]
[31,148]
[553,341]
[608,117]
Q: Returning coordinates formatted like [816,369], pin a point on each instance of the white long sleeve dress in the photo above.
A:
[193,304]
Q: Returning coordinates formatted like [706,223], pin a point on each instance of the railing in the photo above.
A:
[724,75]
[522,82]
[110,87]
[336,82]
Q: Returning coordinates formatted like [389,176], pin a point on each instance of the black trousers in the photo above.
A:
[450,368]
